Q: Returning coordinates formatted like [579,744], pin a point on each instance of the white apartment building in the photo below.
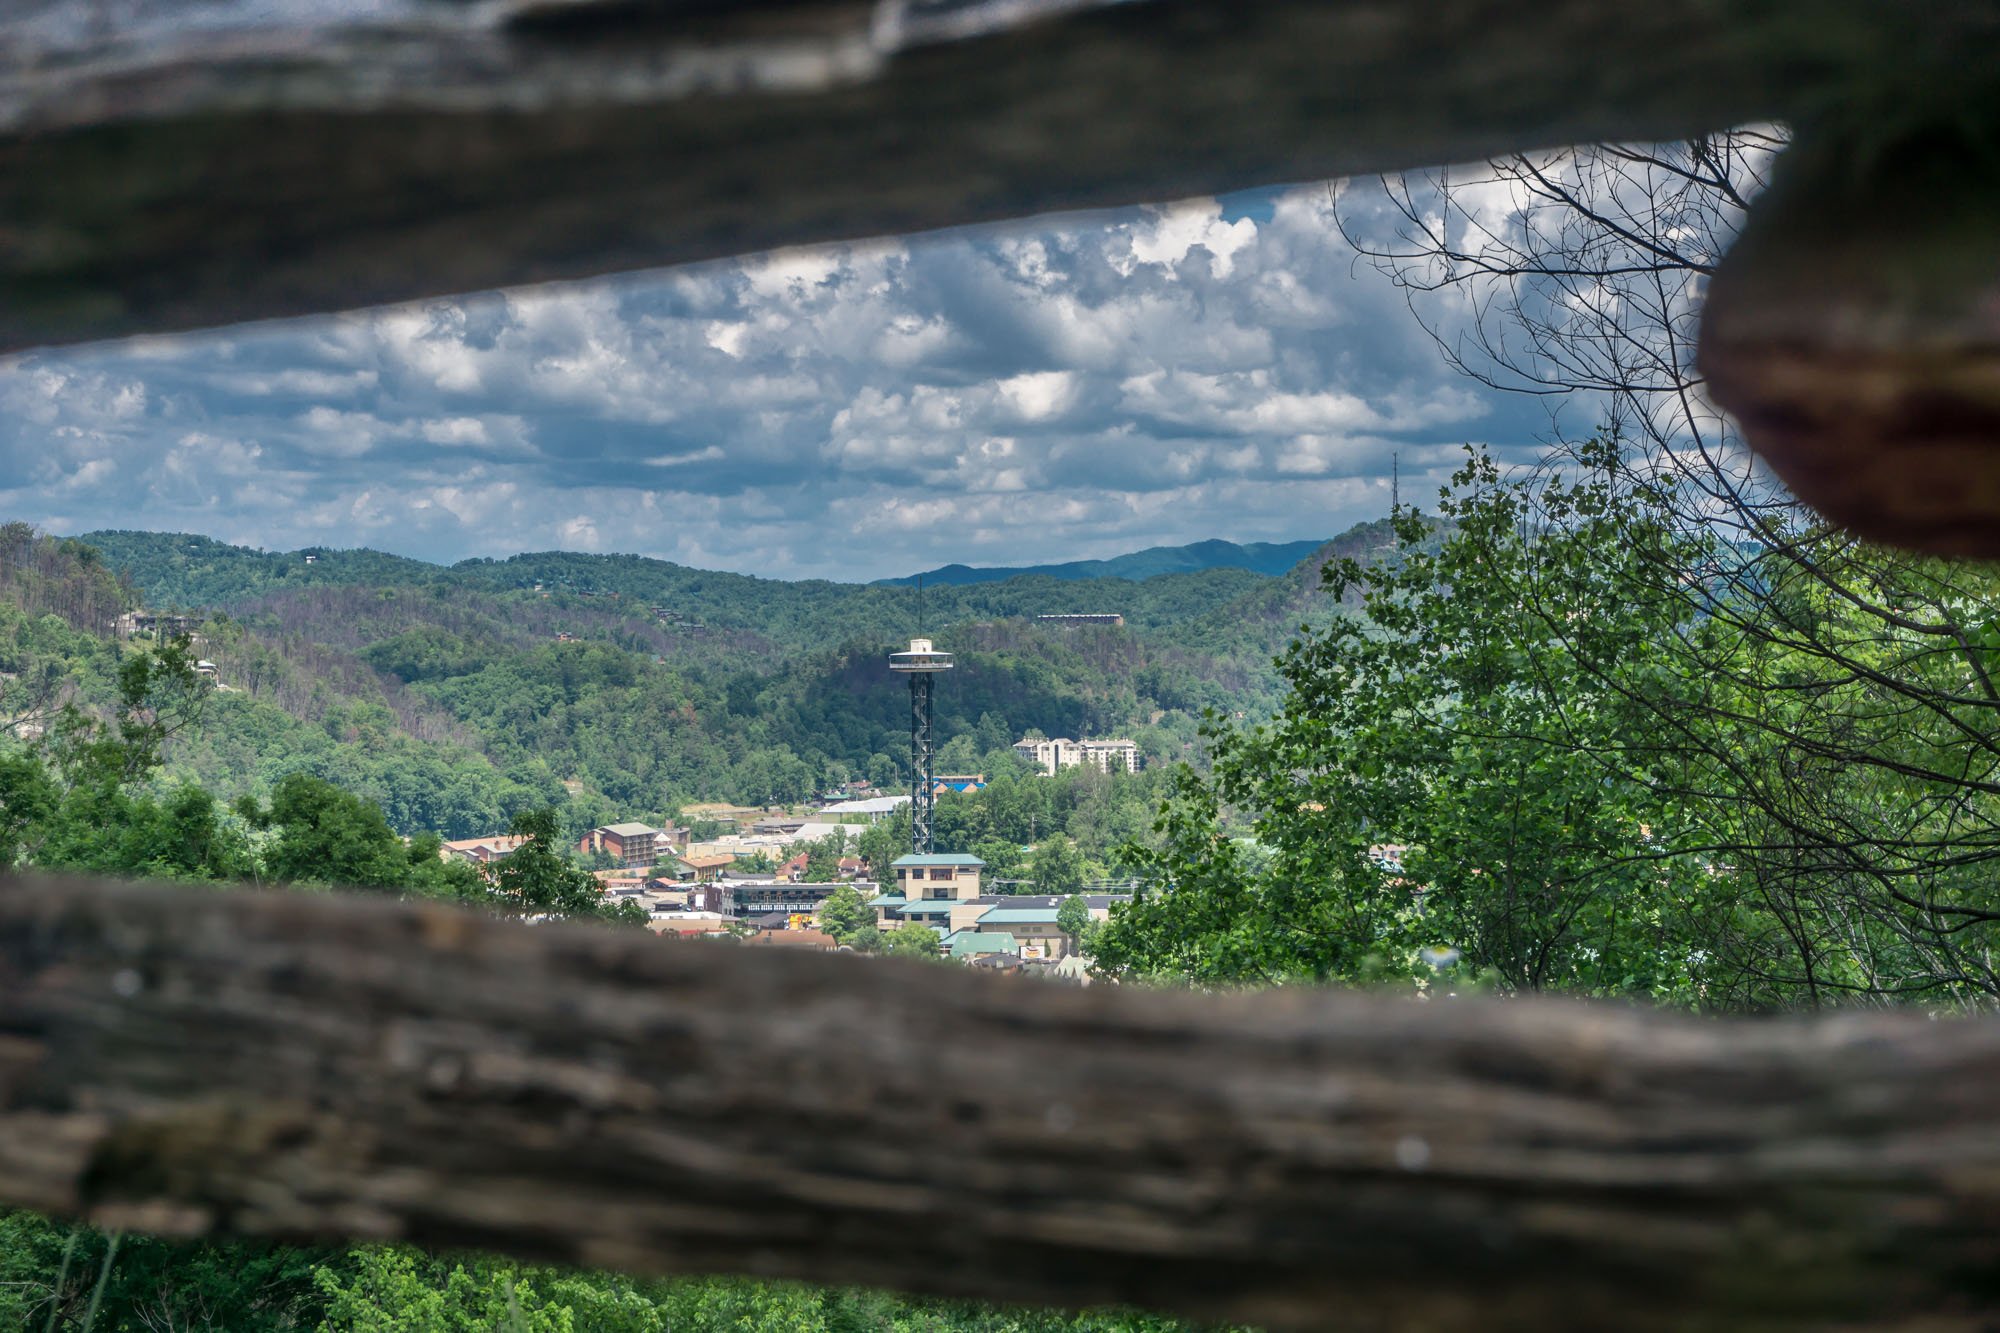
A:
[1106,756]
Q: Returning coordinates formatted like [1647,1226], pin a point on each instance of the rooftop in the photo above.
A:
[938,859]
[1021,916]
[873,805]
[630,830]
[967,943]
[1094,901]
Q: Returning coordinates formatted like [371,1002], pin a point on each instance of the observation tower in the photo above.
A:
[920,664]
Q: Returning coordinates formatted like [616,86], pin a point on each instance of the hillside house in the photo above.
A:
[155,623]
[1106,756]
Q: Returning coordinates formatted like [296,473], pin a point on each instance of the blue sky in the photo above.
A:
[1057,389]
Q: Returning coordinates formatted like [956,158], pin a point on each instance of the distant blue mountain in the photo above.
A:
[1272,558]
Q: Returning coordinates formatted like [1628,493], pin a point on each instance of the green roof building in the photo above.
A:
[970,943]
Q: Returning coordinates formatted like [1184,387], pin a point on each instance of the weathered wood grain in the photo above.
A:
[152,187]
[1853,330]
[196,1062]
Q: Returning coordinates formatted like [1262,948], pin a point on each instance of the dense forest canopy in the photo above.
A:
[456,697]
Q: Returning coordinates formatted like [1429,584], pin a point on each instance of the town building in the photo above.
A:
[1032,930]
[788,938]
[686,925]
[480,851]
[155,623]
[968,945]
[1106,756]
[750,899]
[871,810]
[926,887]
[704,867]
[1026,921]
[785,825]
[629,844]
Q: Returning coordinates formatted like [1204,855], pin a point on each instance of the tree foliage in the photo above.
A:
[1573,748]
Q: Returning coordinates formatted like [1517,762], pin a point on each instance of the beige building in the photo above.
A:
[1106,756]
[928,889]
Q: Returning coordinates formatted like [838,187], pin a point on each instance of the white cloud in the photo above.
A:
[455,430]
[1076,387]
[1179,228]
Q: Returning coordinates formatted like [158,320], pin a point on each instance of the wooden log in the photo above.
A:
[1853,330]
[155,182]
[204,1063]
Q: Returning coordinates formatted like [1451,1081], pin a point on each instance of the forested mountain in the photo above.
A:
[1257,557]
[455,696]
[180,571]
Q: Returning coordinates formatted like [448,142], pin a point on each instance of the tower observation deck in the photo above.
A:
[920,663]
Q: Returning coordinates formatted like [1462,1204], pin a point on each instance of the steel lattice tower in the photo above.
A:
[920,664]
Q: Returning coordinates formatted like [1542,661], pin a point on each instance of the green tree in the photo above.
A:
[1571,746]
[846,915]
[395,1289]
[51,1272]
[1056,866]
[325,835]
[882,842]
[538,879]
[28,797]
[1451,776]
[1074,920]
[823,857]
[911,940]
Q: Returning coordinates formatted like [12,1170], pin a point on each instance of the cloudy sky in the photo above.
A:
[1064,388]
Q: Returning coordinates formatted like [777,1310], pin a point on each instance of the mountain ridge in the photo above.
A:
[1268,558]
